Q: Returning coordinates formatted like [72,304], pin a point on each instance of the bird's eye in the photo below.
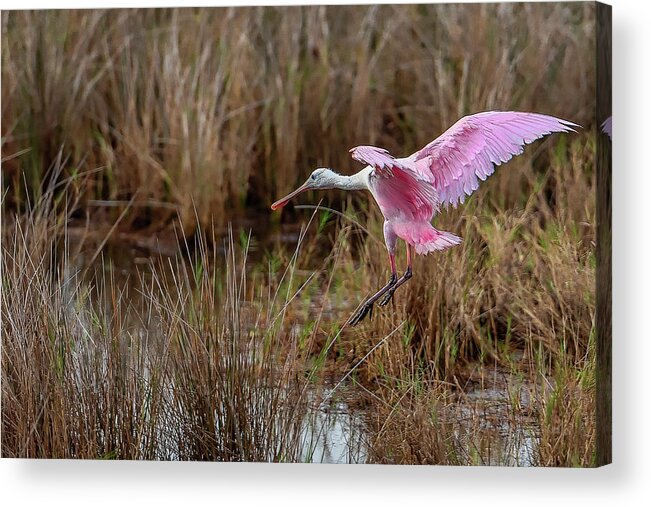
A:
[313,176]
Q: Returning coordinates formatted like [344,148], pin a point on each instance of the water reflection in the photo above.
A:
[333,433]
[494,420]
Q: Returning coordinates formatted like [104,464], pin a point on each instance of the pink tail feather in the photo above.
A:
[425,238]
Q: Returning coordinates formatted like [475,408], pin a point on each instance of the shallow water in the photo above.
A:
[489,429]
[333,433]
[485,431]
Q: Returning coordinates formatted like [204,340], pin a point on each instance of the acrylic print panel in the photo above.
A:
[439,294]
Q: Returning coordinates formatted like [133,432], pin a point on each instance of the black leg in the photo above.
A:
[367,307]
[389,295]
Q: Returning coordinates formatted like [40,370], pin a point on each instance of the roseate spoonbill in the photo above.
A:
[410,191]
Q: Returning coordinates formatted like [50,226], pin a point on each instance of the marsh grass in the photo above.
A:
[177,119]
[488,415]
[201,357]
[188,361]
[194,114]
[518,294]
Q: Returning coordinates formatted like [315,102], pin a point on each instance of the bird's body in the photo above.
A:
[411,190]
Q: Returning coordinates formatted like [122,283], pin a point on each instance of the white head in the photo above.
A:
[320,179]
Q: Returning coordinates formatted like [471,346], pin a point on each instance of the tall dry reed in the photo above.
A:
[214,110]
[187,361]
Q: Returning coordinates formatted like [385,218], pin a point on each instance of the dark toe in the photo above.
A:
[361,314]
[386,299]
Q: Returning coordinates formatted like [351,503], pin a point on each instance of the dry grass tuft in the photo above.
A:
[188,361]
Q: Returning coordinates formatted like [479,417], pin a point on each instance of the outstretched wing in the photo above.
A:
[400,190]
[470,149]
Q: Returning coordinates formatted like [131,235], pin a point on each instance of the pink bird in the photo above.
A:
[410,191]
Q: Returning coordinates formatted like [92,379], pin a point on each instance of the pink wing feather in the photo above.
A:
[470,149]
[399,188]
[381,160]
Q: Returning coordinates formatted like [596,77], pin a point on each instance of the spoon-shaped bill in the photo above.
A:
[281,202]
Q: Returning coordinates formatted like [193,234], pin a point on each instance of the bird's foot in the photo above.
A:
[366,309]
[387,297]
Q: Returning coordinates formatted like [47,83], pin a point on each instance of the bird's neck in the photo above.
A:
[357,181]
